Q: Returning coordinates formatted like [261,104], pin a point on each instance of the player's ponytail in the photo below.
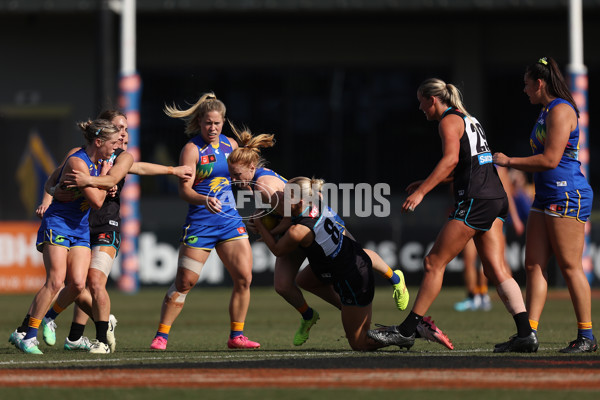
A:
[206,103]
[97,129]
[249,151]
[316,185]
[547,70]
[446,92]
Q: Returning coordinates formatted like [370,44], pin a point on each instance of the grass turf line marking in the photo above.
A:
[249,357]
[257,357]
[223,358]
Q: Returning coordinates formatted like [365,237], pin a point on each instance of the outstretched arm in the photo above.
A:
[144,168]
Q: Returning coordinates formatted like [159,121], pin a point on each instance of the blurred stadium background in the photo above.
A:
[335,81]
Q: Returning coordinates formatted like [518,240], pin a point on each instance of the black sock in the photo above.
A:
[24,325]
[522,321]
[409,326]
[76,331]
[101,328]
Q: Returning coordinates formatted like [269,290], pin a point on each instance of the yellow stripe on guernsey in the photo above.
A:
[232,239]
[214,146]
[578,205]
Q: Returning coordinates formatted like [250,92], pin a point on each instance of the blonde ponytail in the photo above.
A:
[206,103]
[249,151]
[446,92]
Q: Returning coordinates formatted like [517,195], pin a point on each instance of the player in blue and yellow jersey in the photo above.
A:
[104,225]
[563,199]
[212,221]
[247,172]
[64,236]
[480,209]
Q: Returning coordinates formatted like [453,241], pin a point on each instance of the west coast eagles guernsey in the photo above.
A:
[260,172]
[474,176]
[567,176]
[213,180]
[71,216]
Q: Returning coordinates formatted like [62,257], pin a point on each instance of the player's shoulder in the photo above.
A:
[561,109]
[298,231]
[123,156]
[78,156]
[228,142]
[73,151]
[452,123]
[193,144]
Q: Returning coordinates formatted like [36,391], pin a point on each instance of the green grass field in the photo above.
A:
[200,335]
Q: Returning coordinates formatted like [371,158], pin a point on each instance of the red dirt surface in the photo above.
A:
[497,378]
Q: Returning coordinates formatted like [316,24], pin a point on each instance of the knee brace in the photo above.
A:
[191,264]
[101,261]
